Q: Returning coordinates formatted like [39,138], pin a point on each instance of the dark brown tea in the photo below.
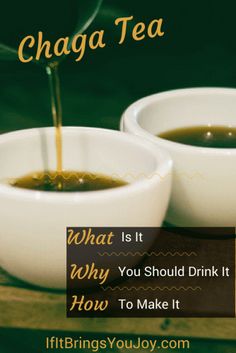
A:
[54,82]
[203,136]
[68,181]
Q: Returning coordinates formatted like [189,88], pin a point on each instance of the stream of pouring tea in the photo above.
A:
[54,83]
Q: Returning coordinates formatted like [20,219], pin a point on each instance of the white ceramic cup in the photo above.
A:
[33,223]
[204,192]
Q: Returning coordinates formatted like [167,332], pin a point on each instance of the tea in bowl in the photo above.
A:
[36,208]
[198,128]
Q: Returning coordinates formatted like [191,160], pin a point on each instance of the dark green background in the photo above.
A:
[198,49]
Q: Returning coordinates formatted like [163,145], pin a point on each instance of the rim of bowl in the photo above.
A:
[162,159]
[130,118]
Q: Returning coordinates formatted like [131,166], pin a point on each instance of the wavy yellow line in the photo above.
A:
[152,253]
[149,288]
[116,176]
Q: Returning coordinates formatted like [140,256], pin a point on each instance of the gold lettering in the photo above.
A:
[89,272]
[82,46]
[158,32]
[103,239]
[43,46]
[87,237]
[21,48]
[90,237]
[124,21]
[80,41]
[99,41]
[110,236]
[88,305]
[73,238]
[138,29]
[63,42]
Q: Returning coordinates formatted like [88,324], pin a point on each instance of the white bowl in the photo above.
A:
[33,223]
[204,192]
